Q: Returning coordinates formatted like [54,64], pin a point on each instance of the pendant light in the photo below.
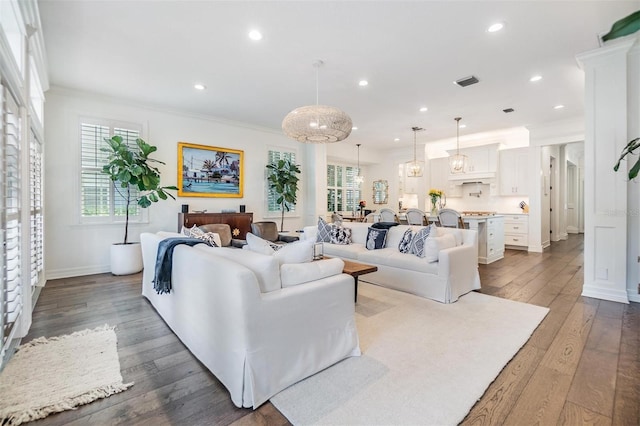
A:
[317,123]
[458,162]
[415,168]
[358,179]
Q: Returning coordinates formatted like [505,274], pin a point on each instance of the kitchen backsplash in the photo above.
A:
[485,202]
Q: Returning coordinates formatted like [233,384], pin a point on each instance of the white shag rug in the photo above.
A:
[47,376]
[423,362]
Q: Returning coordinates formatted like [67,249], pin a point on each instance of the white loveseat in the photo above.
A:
[229,307]
[453,273]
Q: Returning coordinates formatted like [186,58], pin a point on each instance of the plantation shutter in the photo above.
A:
[37,220]
[11,291]
[343,193]
[274,156]
[99,196]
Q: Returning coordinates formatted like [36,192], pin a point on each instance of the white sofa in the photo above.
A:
[454,273]
[229,307]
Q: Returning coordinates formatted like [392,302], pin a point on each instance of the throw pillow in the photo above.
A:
[259,245]
[211,238]
[340,235]
[324,231]
[434,244]
[297,252]
[376,238]
[384,225]
[418,240]
[405,242]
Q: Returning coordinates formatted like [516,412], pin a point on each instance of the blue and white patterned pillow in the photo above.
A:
[340,235]
[405,242]
[324,231]
[418,240]
[376,238]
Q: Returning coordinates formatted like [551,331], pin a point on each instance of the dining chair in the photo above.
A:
[416,217]
[388,215]
[450,218]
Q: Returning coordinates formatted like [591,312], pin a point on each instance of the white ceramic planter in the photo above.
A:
[126,258]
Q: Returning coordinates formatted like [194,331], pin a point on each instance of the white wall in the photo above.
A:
[75,249]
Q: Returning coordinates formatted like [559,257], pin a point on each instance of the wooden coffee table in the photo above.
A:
[356,269]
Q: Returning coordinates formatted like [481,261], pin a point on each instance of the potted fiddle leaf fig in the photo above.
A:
[283,181]
[130,168]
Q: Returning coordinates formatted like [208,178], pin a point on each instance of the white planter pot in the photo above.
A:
[126,258]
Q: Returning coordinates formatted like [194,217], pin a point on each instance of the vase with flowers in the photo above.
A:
[437,197]
[362,204]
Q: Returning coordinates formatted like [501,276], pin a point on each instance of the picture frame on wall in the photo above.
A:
[210,171]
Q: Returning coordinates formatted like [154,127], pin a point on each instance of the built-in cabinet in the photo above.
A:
[513,176]
[482,162]
[516,231]
[490,237]
[439,173]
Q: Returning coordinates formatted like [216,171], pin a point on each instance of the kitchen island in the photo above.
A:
[490,230]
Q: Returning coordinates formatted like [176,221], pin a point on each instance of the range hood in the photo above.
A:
[486,178]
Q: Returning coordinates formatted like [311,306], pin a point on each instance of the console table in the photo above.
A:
[240,223]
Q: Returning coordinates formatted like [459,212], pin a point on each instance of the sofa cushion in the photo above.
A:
[376,238]
[384,225]
[457,234]
[297,273]
[340,235]
[405,243]
[296,252]
[393,258]
[266,268]
[324,231]
[260,245]
[418,240]
[349,251]
[434,244]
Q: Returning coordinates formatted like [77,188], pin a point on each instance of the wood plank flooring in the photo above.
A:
[581,366]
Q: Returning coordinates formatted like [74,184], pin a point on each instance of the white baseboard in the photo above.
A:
[77,272]
[633,297]
[536,249]
[573,230]
[563,236]
[605,293]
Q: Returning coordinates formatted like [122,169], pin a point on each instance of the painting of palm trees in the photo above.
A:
[209,171]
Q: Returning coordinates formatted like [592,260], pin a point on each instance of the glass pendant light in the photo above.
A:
[415,168]
[458,162]
[358,179]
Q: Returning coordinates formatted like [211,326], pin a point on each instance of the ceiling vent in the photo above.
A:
[508,110]
[467,81]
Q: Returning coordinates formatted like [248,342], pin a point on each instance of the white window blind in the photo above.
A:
[274,156]
[100,198]
[343,193]
[10,215]
[37,225]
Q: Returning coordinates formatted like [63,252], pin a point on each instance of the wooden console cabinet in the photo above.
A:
[240,223]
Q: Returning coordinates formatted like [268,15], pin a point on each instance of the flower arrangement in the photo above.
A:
[436,196]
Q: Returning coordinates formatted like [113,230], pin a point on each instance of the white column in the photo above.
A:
[315,183]
[606,219]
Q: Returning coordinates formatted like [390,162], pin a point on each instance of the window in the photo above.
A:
[35,193]
[272,206]
[343,193]
[101,200]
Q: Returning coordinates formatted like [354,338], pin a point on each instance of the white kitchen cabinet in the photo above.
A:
[490,237]
[439,178]
[513,176]
[482,161]
[516,231]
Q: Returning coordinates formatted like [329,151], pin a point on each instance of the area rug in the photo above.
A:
[423,362]
[60,373]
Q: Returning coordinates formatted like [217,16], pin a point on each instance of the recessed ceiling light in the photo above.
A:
[255,35]
[462,126]
[558,107]
[199,86]
[496,27]
[363,83]
[424,109]
[354,128]
[535,78]
[396,140]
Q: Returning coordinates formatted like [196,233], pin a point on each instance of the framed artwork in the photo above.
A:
[209,171]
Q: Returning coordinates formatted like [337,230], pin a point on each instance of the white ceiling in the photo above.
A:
[153,52]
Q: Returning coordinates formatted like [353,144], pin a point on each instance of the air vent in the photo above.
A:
[467,81]
[508,110]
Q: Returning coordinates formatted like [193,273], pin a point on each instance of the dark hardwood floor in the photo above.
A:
[581,366]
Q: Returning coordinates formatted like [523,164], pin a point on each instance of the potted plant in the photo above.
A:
[130,167]
[629,149]
[283,181]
